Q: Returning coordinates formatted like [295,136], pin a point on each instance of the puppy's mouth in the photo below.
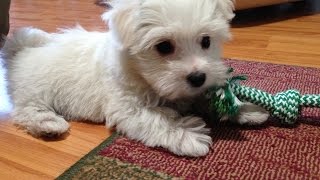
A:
[187,92]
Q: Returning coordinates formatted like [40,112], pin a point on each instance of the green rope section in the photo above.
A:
[285,106]
[222,100]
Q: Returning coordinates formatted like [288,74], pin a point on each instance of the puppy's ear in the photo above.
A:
[226,8]
[121,20]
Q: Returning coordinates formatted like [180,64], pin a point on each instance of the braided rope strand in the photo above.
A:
[285,106]
[254,96]
[310,100]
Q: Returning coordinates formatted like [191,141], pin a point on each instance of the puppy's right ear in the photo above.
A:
[121,20]
[226,8]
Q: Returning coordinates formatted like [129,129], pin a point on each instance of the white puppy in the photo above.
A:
[156,54]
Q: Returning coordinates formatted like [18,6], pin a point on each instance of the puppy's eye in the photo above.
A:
[165,48]
[205,42]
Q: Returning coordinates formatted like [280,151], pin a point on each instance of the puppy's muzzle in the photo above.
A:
[196,79]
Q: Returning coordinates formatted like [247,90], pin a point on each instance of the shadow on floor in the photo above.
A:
[275,13]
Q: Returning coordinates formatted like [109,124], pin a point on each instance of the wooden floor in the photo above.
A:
[283,35]
[286,34]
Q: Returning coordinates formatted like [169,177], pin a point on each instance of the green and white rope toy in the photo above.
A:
[285,106]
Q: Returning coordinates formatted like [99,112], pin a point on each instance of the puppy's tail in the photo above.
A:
[23,38]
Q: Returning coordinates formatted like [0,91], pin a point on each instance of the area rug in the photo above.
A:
[270,151]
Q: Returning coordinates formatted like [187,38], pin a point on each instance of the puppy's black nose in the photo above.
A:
[196,79]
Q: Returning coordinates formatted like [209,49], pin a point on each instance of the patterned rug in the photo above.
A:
[238,152]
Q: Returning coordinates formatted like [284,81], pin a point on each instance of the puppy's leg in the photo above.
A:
[39,120]
[251,114]
[190,137]
[162,127]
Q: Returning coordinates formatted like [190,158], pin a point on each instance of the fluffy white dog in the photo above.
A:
[136,77]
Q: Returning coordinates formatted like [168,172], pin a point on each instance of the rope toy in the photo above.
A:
[285,106]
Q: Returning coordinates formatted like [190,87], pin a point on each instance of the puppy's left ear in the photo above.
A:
[121,21]
[226,8]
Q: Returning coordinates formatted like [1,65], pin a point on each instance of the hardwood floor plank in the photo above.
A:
[306,45]
[14,171]
[277,57]
[33,155]
[80,137]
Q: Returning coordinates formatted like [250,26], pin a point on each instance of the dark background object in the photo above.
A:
[4,19]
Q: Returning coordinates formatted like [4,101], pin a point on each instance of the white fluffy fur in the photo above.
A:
[118,77]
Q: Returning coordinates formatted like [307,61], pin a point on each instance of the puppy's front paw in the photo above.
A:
[191,138]
[252,115]
[53,127]
[45,125]
[192,144]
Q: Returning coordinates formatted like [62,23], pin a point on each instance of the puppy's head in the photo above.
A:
[173,44]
